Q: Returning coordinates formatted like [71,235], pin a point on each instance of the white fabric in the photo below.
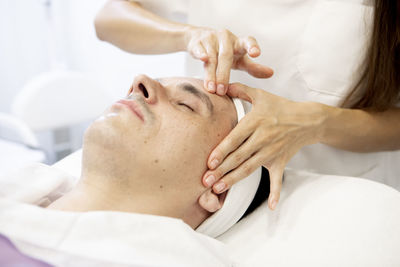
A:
[314,47]
[98,238]
[321,220]
[14,156]
[238,198]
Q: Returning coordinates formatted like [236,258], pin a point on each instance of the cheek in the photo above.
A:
[183,147]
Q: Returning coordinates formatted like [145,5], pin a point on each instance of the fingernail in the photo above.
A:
[219,187]
[214,164]
[273,204]
[254,50]
[221,89]
[211,86]
[210,180]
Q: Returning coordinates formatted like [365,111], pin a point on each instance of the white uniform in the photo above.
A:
[314,47]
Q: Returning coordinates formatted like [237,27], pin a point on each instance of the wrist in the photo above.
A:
[318,117]
[188,31]
[329,115]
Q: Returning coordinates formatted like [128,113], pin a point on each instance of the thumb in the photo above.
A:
[255,69]
[242,91]
[209,201]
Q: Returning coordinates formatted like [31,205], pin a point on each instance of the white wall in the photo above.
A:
[25,48]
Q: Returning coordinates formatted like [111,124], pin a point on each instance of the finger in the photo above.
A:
[238,90]
[209,201]
[225,61]
[247,45]
[199,52]
[254,69]
[232,141]
[210,66]
[233,160]
[243,171]
[275,173]
[252,47]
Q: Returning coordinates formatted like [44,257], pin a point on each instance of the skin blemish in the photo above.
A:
[145,142]
[156,161]
[161,187]
[163,170]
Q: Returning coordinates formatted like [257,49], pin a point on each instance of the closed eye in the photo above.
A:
[185,105]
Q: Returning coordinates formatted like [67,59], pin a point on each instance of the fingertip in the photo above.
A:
[254,51]
[220,187]
[269,72]
[212,164]
[221,89]
[211,87]
[272,203]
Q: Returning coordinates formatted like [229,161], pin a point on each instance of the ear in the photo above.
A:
[211,201]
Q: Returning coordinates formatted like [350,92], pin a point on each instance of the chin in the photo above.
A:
[105,131]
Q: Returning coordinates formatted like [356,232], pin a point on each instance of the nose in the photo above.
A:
[145,86]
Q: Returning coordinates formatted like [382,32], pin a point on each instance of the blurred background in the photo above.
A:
[56,77]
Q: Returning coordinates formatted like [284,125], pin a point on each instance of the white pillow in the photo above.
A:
[322,220]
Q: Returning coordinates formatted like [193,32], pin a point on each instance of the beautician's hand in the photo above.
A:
[269,135]
[222,51]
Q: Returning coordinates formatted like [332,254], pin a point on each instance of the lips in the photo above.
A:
[133,106]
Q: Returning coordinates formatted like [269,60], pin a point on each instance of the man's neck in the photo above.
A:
[89,196]
[92,196]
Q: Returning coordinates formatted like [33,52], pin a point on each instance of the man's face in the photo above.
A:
[164,132]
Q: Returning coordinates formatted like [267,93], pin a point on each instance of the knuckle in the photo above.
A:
[247,169]
[208,34]
[229,181]
[212,59]
[251,38]
[258,120]
[224,32]
[223,76]
[226,55]
[237,157]
[268,165]
[218,173]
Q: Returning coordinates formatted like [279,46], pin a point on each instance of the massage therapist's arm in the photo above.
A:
[134,29]
[270,135]
[361,130]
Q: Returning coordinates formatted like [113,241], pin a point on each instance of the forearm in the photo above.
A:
[361,130]
[134,29]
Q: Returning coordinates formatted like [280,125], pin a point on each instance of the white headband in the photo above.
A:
[238,198]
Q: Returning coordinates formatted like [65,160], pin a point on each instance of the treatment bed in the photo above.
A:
[321,220]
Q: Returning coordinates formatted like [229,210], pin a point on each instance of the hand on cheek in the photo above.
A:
[269,135]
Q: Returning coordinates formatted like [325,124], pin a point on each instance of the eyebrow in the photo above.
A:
[187,87]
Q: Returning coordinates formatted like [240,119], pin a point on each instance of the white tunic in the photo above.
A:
[315,48]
